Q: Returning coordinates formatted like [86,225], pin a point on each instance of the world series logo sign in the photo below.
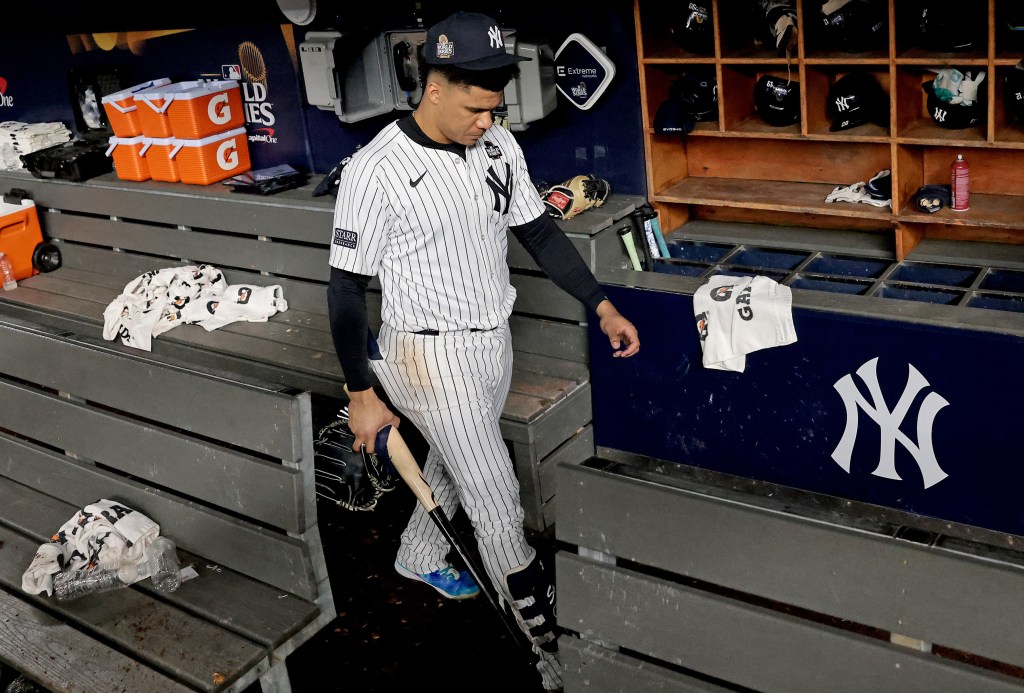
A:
[582,71]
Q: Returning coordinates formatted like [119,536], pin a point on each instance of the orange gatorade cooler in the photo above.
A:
[157,152]
[129,164]
[151,106]
[121,109]
[205,108]
[213,158]
[20,234]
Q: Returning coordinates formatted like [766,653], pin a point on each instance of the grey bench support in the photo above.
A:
[223,463]
[110,231]
[680,576]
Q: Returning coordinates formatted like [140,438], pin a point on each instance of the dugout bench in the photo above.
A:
[109,231]
[228,474]
[222,463]
[728,548]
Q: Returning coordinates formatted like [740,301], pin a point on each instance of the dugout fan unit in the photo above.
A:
[359,76]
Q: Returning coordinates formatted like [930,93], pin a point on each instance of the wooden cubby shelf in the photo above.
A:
[739,168]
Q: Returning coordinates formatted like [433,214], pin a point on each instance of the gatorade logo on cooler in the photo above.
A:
[219,110]
[227,155]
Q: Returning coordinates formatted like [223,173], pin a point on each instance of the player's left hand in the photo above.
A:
[621,333]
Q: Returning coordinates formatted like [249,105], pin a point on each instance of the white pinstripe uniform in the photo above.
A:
[433,227]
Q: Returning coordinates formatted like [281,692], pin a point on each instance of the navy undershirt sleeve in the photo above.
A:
[346,305]
[558,257]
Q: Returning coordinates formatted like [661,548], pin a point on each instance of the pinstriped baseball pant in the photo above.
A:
[452,387]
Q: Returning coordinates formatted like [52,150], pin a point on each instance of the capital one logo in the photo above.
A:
[889,423]
[227,155]
[218,109]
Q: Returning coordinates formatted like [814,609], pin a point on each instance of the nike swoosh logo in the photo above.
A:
[416,182]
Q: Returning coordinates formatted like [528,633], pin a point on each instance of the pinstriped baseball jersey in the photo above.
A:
[434,226]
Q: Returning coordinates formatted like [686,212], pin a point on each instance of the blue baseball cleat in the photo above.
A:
[448,581]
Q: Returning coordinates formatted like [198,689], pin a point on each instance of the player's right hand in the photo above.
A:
[367,415]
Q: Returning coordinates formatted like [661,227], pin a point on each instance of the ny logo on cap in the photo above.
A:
[842,103]
[494,34]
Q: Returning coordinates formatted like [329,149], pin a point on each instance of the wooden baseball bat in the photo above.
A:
[402,460]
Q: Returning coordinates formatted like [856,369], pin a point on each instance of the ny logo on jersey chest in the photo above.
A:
[501,187]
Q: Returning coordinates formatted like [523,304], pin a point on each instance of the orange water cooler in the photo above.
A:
[21,239]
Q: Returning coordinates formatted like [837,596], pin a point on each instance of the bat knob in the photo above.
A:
[380,447]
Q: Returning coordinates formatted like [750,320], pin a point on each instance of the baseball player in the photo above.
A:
[426,207]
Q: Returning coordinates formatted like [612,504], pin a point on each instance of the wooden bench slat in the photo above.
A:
[252,609]
[266,491]
[62,658]
[159,634]
[273,557]
[223,250]
[293,214]
[130,383]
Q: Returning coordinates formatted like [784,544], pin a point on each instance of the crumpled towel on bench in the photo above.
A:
[103,534]
[739,315]
[158,301]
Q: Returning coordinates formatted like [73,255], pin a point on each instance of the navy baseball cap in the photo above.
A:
[468,40]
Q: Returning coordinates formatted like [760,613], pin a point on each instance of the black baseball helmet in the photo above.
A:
[857,98]
[697,91]
[950,25]
[857,26]
[1013,93]
[954,116]
[694,30]
[777,100]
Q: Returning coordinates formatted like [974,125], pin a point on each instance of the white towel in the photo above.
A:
[739,315]
[158,301]
[104,534]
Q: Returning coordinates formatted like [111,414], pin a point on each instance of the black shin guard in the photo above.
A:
[532,588]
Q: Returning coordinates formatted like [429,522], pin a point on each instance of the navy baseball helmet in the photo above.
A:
[697,91]
[777,100]
[693,30]
[1013,94]
[857,26]
[954,116]
[857,98]
[950,25]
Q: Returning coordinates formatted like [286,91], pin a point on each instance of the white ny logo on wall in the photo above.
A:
[889,423]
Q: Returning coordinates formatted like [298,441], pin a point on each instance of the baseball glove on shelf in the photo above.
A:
[353,480]
[578,194]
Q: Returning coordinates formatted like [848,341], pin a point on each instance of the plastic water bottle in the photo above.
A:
[164,568]
[73,584]
[7,273]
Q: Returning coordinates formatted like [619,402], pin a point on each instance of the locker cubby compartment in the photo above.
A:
[663,35]
[736,96]
[915,122]
[867,47]
[744,174]
[1008,113]
[818,83]
[941,47]
[1009,29]
[996,203]
[907,292]
[658,81]
[744,34]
